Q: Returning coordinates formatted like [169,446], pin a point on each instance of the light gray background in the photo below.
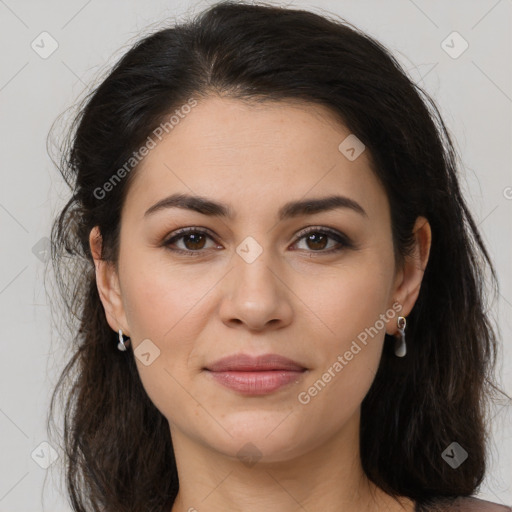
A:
[473,91]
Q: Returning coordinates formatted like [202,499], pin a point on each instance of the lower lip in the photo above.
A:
[256,383]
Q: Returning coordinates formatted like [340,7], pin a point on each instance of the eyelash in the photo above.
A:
[338,237]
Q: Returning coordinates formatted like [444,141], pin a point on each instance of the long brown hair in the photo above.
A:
[118,451]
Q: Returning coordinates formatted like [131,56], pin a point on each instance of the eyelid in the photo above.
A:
[338,236]
[323,229]
[180,233]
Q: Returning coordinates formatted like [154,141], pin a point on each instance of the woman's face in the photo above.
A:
[316,286]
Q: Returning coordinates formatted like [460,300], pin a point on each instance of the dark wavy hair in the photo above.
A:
[118,450]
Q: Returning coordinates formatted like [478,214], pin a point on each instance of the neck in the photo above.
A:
[328,477]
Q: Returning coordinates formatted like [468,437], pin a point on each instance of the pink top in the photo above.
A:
[465,504]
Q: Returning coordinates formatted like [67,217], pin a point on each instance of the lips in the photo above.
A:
[260,375]
[248,363]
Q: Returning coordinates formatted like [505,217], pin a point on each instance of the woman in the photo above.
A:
[266,221]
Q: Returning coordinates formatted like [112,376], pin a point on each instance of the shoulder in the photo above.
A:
[470,504]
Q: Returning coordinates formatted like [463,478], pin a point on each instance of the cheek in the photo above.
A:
[349,308]
[350,300]
[165,307]
[160,298]
[350,353]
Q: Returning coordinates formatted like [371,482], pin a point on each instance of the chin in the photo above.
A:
[260,441]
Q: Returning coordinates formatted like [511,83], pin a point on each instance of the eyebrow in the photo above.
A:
[291,209]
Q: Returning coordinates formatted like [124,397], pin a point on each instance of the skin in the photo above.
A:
[294,300]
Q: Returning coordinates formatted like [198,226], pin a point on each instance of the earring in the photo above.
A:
[400,346]
[122,344]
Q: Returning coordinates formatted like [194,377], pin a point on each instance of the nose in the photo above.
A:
[256,296]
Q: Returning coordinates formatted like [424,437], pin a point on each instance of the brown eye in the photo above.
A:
[191,239]
[194,241]
[317,240]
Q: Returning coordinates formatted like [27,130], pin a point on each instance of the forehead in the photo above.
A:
[255,155]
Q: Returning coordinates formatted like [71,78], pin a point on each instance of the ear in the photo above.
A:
[107,282]
[408,280]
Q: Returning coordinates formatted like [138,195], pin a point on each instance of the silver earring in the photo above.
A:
[122,344]
[400,346]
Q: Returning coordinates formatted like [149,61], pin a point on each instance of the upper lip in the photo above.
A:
[246,362]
